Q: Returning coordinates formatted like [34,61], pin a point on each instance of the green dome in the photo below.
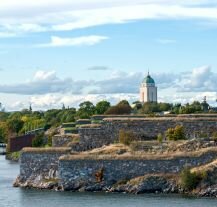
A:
[148,79]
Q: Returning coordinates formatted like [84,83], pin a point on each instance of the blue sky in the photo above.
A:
[58,52]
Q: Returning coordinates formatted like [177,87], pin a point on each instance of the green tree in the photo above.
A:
[176,108]
[102,107]
[123,107]
[164,106]
[137,106]
[149,108]
[3,132]
[15,125]
[52,118]
[38,141]
[3,116]
[86,110]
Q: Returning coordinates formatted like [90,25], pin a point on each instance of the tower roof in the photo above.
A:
[148,79]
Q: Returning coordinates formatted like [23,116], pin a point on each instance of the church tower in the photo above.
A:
[148,90]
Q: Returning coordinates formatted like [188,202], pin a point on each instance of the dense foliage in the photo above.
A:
[148,108]
[190,180]
[21,122]
[195,107]
[176,133]
[122,107]
[38,141]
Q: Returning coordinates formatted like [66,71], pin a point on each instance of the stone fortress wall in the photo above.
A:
[74,171]
[145,129]
[40,164]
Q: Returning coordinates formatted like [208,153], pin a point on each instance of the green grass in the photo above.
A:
[15,156]
[68,125]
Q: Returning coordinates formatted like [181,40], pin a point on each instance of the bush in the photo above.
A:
[190,180]
[203,135]
[160,138]
[214,136]
[126,137]
[15,156]
[38,141]
[176,133]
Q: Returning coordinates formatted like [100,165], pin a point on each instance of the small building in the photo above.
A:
[148,90]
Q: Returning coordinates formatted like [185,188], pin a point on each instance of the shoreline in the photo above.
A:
[149,184]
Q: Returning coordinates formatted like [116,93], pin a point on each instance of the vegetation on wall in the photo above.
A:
[126,137]
[176,133]
[38,141]
[214,136]
[160,138]
[190,180]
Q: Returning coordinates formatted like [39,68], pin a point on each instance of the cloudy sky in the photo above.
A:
[68,51]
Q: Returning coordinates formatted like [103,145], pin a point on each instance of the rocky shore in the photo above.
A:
[166,184]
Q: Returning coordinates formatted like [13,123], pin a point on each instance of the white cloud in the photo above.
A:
[21,16]
[42,83]
[76,41]
[49,101]
[7,34]
[56,100]
[200,79]
[124,14]
[44,75]
[47,90]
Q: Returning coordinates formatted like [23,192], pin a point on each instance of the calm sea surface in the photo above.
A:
[16,197]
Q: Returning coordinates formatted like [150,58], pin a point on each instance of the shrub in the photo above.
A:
[49,140]
[214,136]
[160,138]
[190,180]
[203,135]
[176,133]
[14,156]
[126,137]
[38,141]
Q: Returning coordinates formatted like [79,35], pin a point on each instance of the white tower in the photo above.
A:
[148,90]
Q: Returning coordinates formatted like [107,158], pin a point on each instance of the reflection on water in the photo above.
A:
[16,197]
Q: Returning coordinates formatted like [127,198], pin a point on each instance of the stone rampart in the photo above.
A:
[39,163]
[93,138]
[63,140]
[76,172]
[145,129]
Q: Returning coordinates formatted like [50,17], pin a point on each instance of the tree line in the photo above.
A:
[20,122]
